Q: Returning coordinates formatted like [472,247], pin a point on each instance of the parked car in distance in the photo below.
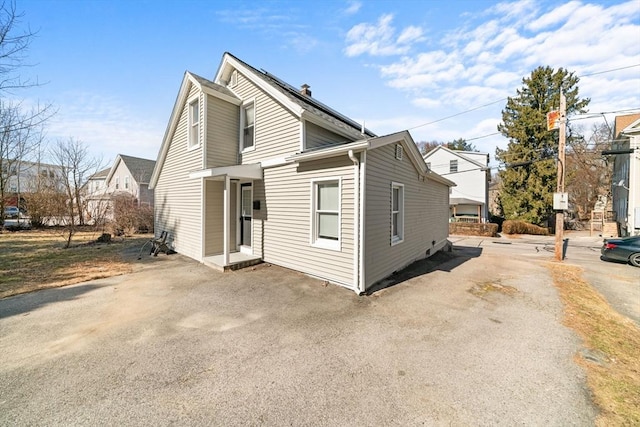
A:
[12,212]
[625,249]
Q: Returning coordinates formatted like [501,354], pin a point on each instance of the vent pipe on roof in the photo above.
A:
[305,90]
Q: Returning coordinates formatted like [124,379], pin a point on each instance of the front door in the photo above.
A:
[246,210]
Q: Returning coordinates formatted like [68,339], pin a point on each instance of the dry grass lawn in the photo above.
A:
[36,259]
[613,367]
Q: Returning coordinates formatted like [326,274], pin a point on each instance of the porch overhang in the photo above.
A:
[250,171]
[464,201]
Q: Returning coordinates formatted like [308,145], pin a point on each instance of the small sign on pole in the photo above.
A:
[560,201]
[553,120]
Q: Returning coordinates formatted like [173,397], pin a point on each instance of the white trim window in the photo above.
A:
[126,182]
[194,122]
[325,213]
[397,213]
[117,182]
[248,121]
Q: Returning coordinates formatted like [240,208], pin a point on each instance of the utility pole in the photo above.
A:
[561,174]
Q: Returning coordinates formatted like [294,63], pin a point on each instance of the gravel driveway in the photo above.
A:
[475,340]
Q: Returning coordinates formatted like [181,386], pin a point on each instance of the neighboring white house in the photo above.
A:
[128,175]
[469,199]
[626,174]
[24,177]
[251,169]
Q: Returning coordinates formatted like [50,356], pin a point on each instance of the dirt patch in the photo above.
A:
[33,260]
[482,289]
[612,341]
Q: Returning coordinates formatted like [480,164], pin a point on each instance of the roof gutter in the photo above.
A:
[329,152]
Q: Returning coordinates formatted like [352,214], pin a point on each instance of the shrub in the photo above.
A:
[473,229]
[129,218]
[522,227]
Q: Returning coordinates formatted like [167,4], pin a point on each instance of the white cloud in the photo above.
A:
[353,7]
[105,125]
[486,56]
[380,39]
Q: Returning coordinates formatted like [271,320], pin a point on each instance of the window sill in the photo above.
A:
[193,147]
[248,150]
[396,241]
[332,245]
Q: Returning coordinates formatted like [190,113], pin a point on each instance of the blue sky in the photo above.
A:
[113,68]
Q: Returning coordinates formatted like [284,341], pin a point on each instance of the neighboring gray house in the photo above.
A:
[128,175]
[626,174]
[253,169]
[469,199]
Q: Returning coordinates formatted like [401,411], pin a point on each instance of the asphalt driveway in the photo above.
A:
[474,340]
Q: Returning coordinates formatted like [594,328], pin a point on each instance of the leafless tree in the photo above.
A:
[588,172]
[14,44]
[21,135]
[77,165]
[20,128]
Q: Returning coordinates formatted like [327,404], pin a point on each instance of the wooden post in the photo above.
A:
[561,174]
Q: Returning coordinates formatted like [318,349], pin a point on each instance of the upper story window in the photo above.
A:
[397,213]
[326,213]
[117,182]
[126,182]
[248,127]
[194,123]
[453,166]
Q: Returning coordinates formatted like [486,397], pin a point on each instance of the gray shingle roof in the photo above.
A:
[141,169]
[308,103]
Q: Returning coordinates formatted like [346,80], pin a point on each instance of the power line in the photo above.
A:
[609,71]
[504,99]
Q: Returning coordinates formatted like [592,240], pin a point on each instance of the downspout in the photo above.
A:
[363,209]
[356,222]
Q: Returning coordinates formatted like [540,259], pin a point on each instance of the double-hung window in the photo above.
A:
[126,182]
[397,213]
[248,127]
[326,213]
[194,123]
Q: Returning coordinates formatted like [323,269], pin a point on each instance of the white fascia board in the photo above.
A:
[250,171]
[329,152]
[229,61]
[220,95]
[276,161]
[171,127]
[632,128]
[113,168]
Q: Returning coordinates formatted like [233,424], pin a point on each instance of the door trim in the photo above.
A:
[247,249]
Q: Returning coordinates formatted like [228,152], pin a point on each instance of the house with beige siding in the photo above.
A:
[128,176]
[252,169]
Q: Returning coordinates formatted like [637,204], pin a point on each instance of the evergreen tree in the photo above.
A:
[529,178]
[461,145]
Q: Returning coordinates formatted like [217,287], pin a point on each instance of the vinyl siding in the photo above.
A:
[316,136]
[284,220]
[223,127]
[426,213]
[277,131]
[120,173]
[178,197]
